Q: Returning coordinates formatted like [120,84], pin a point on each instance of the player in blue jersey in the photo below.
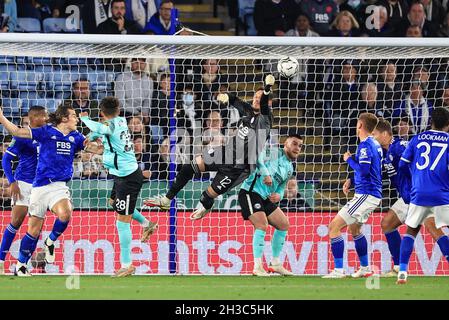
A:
[395,217]
[119,158]
[258,197]
[59,142]
[21,180]
[367,166]
[427,160]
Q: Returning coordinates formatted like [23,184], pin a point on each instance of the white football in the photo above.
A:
[288,67]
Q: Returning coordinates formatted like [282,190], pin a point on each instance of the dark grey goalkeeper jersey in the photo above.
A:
[253,131]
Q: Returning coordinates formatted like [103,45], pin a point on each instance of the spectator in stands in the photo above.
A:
[444,30]
[414,32]
[143,157]
[89,166]
[207,84]
[417,18]
[187,110]
[137,128]
[117,23]
[140,11]
[389,89]
[8,13]
[357,8]
[212,135]
[340,100]
[274,17]
[95,12]
[416,108]
[434,13]
[321,14]
[38,9]
[159,114]
[161,22]
[293,200]
[381,26]
[134,89]
[397,12]
[369,101]
[81,101]
[402,129]
[345,25]
[302,28]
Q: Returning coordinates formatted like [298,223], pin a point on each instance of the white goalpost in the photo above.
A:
[168,87]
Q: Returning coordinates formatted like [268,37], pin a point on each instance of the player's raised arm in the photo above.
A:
[94,126]
[364,164]
[242,107]
[264,100]
[406,158]
[13,129]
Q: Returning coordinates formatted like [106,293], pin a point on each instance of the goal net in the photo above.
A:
[168,89]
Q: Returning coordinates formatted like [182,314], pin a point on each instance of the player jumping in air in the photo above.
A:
[233,162]
[21,181]
[394,148]
[121,161]
[426,158]
[367,166]
[59,143]
[259,196]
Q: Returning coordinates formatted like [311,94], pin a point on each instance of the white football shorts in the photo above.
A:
[25,193]
[418,214]
[359,208]
[45,197]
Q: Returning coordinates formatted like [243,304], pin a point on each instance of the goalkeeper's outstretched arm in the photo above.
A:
[242,107]
[264,100]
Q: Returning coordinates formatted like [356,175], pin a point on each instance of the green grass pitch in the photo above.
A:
[221,287]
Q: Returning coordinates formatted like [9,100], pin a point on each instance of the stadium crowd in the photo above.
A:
[331,93]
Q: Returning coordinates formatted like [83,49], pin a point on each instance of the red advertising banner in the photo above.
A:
[218,244]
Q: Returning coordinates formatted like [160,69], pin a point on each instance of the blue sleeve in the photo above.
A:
[79,142]
[39,134]
[7,167]
[406,159]
[365,154]
[407,155]
[14,147]
[362,168]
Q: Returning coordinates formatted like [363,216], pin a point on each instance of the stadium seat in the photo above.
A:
[101,81]
[98,95]
[57,25]
[7,60]
[11,106]
[26,80]
[7,68]
[60,81]
[38,60]
[29,95]
[40,68]
[50,104]
[28,25]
